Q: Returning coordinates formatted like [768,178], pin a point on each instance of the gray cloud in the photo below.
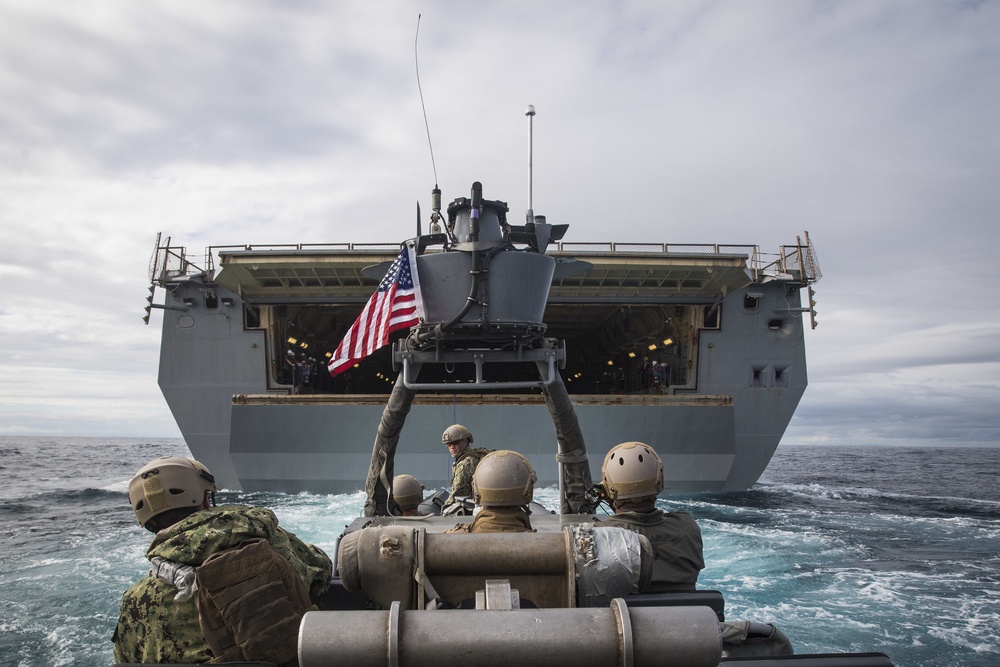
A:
[871,124]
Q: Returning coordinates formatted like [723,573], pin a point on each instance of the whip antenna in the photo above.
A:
[435,193]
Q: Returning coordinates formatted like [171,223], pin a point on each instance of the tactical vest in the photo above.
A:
[501,520]
[476,453]
[250,601]
[461,480]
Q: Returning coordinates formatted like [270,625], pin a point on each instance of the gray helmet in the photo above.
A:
[167,483]
[632,470]
[407,491]
[503,478]
[455,432]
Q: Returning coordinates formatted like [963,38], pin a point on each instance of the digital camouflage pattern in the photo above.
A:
[677,546]
[462,472]
[153,627]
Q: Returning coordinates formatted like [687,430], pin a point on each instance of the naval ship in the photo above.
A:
[697,350]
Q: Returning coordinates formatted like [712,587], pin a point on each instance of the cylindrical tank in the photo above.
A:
[614,635]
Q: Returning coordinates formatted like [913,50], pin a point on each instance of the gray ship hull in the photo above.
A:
[326,448]
[741,376]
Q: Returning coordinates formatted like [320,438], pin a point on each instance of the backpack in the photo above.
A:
[250,601]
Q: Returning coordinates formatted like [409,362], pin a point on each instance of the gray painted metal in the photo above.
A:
[517,286]
[715,433]
[326,448]
[617,635]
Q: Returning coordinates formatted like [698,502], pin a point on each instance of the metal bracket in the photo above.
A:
[498,595]
[412,361]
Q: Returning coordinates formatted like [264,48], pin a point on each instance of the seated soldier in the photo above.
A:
[226,584]
[503,485]
[632,476]
[458,439]
[408,494]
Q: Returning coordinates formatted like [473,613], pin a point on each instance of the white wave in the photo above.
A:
[120,486]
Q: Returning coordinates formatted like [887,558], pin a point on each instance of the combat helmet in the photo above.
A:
[167,483]
[632,470]
[455,432]
[407,491]
[503,478]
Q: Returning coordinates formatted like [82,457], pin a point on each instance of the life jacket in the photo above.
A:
[250,601]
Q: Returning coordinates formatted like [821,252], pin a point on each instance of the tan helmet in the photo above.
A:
[632,470]
[166,483]
[503,478]
[407,491]
[455,432]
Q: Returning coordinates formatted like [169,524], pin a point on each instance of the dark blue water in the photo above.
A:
[887,549]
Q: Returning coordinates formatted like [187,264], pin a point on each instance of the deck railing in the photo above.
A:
[797,260]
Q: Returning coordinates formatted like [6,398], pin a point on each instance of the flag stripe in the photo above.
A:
[395,305]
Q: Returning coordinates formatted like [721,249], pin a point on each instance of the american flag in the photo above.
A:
[395,305]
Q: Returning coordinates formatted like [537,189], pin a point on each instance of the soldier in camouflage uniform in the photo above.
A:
[503,485]
[458,439]
[159,619]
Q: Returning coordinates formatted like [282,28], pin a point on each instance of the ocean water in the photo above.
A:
[844,548]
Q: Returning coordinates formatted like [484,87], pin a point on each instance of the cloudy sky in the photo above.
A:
[873,125]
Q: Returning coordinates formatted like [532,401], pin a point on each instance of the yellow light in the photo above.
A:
[329,355]
[668,341]
[292,341]
[610,363]
[652,346]
[304,345]
[631,355]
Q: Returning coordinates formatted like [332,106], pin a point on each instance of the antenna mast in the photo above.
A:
[530,113]
[436,192]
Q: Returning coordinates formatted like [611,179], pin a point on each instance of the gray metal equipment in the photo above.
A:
[616,635]
[408,566]
[484,301]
